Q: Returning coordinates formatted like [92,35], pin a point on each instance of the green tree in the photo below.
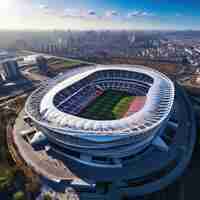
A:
[7,177]
[47,197]
[19,196]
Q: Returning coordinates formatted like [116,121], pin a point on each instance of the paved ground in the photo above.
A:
[38,159]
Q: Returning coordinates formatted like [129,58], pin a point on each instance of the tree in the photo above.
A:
[7,177]
[19,196]
[47,197]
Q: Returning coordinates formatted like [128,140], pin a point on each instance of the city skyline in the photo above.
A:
[98,15]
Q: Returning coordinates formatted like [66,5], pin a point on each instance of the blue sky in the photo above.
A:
[100,14]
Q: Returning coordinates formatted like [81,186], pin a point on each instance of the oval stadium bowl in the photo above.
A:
[103,117]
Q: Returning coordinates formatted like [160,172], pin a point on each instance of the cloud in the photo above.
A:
[46,9]
[91,13]
[147,14]
[43,7]
[133,14]
[111,13]
[74,13]
[140,14]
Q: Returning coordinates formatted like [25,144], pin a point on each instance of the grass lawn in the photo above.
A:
[70,63]
[110,105]
[62,65]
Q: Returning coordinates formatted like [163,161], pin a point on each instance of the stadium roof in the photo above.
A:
[160,98]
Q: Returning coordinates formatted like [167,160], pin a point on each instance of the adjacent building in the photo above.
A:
[11,70]
[42,64]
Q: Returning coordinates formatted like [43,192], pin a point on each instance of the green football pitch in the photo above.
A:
[110,105]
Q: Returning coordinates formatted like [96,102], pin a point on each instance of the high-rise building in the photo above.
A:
[11,70]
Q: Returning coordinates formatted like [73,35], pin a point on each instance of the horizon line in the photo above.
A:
[82,30]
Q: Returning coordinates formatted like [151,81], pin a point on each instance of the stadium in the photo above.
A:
[104,115]
[114,123]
